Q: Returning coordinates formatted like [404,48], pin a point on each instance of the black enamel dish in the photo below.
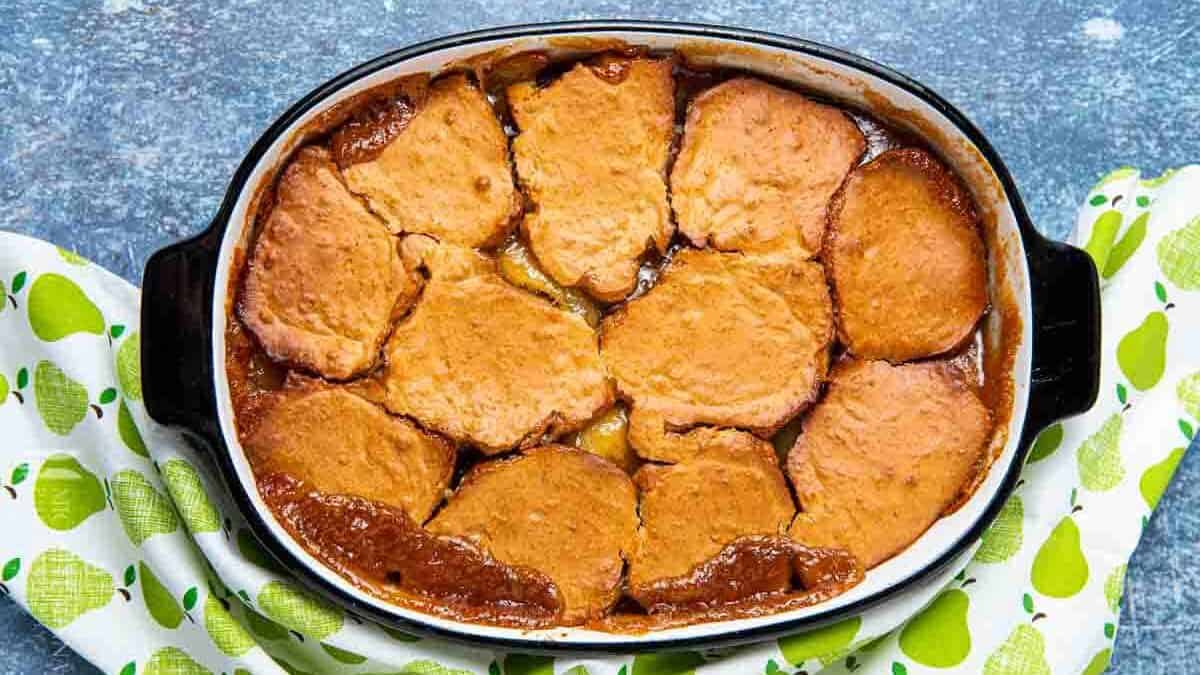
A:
[1053,286]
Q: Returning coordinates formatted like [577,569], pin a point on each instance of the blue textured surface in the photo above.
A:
[121,122]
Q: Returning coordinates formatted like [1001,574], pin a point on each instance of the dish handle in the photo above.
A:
[177,360]
[1065,374]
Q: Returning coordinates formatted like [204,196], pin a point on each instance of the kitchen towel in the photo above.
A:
[120,541]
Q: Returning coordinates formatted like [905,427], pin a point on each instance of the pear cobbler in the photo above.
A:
[612,342]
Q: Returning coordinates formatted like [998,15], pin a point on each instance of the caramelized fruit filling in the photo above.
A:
[608,437]
[518,267]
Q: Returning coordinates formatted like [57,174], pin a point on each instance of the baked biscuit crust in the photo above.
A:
[446,174]
[757,168]
[722,340]
[486,363]
[330,438]
[325,280]
[906,260]
[564,512]
[732,488]
[592,153]
[884,454]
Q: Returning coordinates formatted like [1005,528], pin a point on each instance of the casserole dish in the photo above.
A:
[1041,337]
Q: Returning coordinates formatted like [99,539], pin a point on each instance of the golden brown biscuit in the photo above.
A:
[446,174]
[721,340]
[757,168]
[730,489]
[486,363]
[325,279]
[341,444]
[884,454]
[905,257]
[563,512]
[591,153]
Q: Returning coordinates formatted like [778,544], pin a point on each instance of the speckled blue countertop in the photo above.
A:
[122,120]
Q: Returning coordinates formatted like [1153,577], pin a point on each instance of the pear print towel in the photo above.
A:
[120,541]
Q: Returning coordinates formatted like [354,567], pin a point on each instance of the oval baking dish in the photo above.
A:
[1041,337]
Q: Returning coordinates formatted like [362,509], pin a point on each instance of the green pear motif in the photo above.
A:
[1059,568]
[939,637]
[527,664]
[65,494]
[61,587]
[3,382]
[1104,233]
[825,644]
[1023,653]
[129,367]
[1114,586]
[161,604]
[1188,392]
[665,663]
[264,627]
[1046,443]
[173,661]
[1142,353]
[299,611]
[1156,479]
[144,511]
[1126,247]
[344,656]
[61,401]
[577,670]
[58,308]
[1099,662]
[226,633]
[71,257]
[1179,256]
[128,431]
[188,492]
[1099,457]
[1003,539]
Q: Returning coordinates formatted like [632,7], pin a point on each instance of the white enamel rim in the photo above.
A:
[812,72]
